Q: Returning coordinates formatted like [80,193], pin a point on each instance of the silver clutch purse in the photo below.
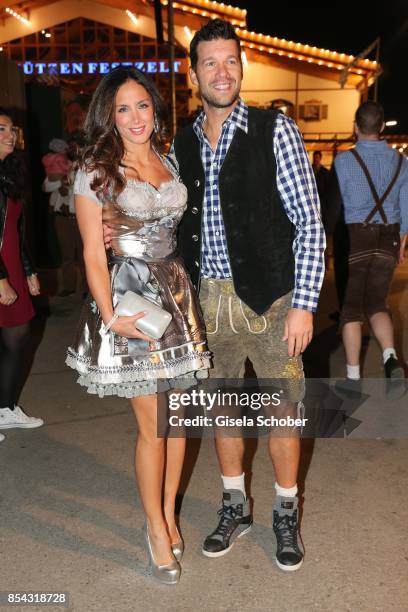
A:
[155,321]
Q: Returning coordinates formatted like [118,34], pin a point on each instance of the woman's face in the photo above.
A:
[7,136]
[134,114]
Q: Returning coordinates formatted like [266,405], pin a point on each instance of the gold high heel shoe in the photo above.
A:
[166,574]
[178,548]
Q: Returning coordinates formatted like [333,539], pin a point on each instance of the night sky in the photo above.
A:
[346,27]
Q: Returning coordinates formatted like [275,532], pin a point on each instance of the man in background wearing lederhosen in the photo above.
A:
[373,181]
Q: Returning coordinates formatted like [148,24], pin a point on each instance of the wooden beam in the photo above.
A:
[20,7]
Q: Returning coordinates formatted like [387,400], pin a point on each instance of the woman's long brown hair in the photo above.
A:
[13,172]
[103,148]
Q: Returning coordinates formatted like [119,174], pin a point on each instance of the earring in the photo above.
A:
[156,126]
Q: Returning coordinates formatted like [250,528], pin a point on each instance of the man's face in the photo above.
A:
[317,158]
[218,73]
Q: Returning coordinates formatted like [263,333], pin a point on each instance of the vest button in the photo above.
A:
[197,183]
[195,237]
[194,210]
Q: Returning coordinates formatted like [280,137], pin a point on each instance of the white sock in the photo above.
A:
[353,372]
[234,482]
[389,352]
[286,492]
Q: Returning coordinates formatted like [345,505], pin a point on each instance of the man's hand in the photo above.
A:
[298,330]
[107,235]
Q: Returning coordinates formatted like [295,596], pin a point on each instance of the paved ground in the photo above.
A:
[71,518]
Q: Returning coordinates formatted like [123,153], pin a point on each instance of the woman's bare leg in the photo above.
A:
[174,465]
[176,448]
[149,467]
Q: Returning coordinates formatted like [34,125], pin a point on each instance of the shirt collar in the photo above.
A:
[238,117]
[372,143]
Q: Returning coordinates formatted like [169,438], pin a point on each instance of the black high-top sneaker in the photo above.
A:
[289,551]
[349,388]
[395,375]
[235,521]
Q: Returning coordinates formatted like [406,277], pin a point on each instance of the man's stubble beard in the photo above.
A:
[215,104]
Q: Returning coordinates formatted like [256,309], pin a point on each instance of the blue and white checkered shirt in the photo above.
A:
[214,253]
[297,188]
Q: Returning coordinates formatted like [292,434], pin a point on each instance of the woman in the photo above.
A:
[17,280]
[125,182]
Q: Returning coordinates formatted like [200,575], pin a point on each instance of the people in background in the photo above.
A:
[18,280]
[373,181]
[321,175]
[59,184]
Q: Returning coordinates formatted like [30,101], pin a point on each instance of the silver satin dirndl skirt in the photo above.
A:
[113,365]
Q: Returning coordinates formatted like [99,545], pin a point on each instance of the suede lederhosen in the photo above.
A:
[373,257]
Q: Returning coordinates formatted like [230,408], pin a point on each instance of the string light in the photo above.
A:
[17,16]
[312,53]
[226,10]
[302,58]
[188,33]
[131,16]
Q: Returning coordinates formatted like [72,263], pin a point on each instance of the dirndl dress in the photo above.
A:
[143,259]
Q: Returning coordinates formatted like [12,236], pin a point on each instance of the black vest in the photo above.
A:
[258,232]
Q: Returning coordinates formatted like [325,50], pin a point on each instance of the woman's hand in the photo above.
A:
[7,294]
[125,326]
[33,284]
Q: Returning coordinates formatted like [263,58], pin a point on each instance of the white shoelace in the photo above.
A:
[231,322]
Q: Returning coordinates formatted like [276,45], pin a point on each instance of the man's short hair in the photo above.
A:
[370,118]
[317,153]
[213,30]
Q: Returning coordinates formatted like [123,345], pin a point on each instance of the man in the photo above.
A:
[373,181]
[321,174]
[253,243]
[334,225]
